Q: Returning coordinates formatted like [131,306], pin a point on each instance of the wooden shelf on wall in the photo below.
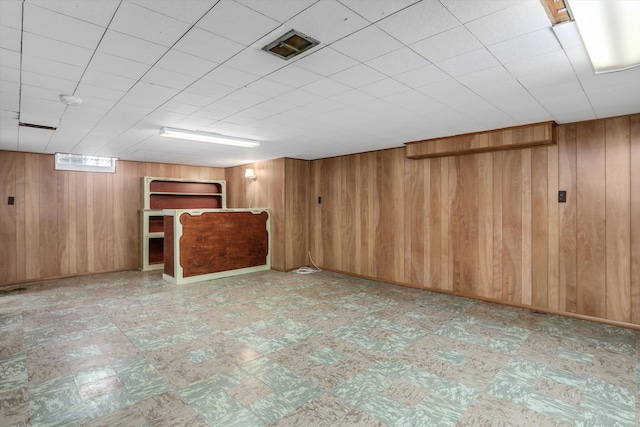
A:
[512,138]
[171,193]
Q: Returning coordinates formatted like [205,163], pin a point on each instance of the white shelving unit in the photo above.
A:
[160,193]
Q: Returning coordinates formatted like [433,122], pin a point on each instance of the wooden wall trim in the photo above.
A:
[511,138]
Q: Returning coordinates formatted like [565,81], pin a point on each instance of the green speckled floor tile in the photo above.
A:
[281,349]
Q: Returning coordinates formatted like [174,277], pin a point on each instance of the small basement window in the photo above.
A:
[291,44]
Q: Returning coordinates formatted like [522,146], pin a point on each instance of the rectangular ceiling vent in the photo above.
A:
[291,44]
[30,125]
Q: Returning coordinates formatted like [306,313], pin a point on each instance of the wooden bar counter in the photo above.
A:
[204,244]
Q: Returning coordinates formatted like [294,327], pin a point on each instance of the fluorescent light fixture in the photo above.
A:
[84,163]
[214,138]
[610,30]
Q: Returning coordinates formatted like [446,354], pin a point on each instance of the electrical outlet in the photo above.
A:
[319,200]
[562,197]
[11,200]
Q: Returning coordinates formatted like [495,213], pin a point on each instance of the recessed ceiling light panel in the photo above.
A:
[291,44]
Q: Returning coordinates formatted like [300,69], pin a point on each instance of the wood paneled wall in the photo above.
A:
[489,225]
[282,187]
[67,223]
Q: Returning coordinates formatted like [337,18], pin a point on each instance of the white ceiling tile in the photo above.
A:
[188,11]
[93,86]
[268,88]
[298,97]
[184,63]
[9,74]
[486,77]
[326,87]
[95,12]
[43,47]
[109,64]
[580,61]
[162,77]
[408,25]
[210,89]
[177,107]
[483,112]
[207,45]
[275,106]
[321,106]
[358,76]
[9,101]
[255,61]
[48,112]
[467,11]
[398,62]
[146,24]
[33,140]
[527,46]
[239,100]
[10,58]
[53,25]
[10,38]
[327,21]
[384,87]
[7,86]
[237,22]
[294,76]
[568,34]
[144,101]
[471,62]
[128,47]
[534,72]
[230,76]
[279,10]
[48,82]
[153,91]
[53,68]
[368,43]
[422,76]
[36,92]
[132,109]
[522,18]
[11,15]
[353,97]
[448,44]
[326,62]
[377,10]
[449,92]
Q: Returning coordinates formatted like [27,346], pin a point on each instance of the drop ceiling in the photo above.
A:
[385,72]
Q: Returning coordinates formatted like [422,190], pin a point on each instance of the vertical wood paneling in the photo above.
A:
[21,249]
[591,220]
[434,224]
[8,216]
[635,217]
[553,243]
[539,227]
[32,215]
[65,223]
[618,231]
[512,226]
[297,213]
[64,257]
[484,280]
[525,212]
[48,219]
[498,161]
[414,220]
[568,261]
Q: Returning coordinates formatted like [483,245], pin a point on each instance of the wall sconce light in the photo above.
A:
[250,174]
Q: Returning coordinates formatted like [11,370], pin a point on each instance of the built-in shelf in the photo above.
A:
[171,193]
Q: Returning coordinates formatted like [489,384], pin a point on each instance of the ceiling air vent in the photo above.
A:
[291,44]
[30,125]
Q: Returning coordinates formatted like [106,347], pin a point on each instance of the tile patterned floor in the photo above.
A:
[280,349]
